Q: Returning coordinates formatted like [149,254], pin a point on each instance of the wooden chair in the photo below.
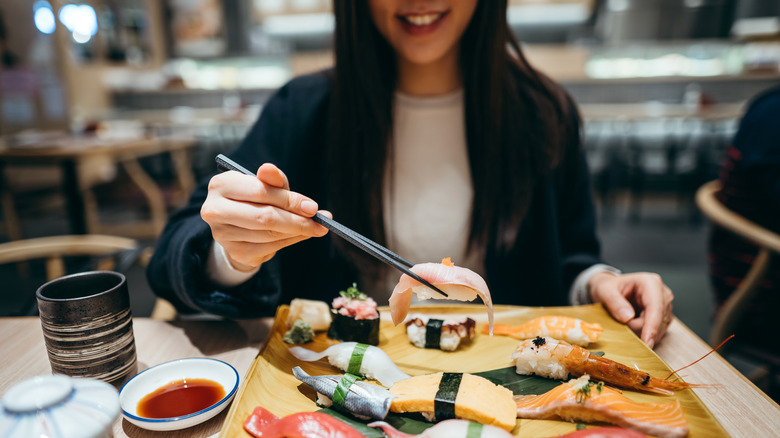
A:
[109,252]
[733,310]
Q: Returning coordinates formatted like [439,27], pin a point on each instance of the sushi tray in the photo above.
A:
[270,382]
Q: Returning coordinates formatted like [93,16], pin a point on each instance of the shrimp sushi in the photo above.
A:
[445,334]
[582,400]
[359,359]
[572,330]
[548,357]
[458,283]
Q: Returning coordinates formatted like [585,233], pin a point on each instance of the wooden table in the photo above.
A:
[742,409]
[237,343]
[75,154]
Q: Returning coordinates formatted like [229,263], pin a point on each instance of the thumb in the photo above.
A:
[617,304]
[272,175]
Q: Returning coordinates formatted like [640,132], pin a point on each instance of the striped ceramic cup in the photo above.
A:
[87,326]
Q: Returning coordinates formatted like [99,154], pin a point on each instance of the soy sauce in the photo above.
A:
[179,398]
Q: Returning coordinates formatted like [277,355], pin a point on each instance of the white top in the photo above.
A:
[427,197]
[428,189]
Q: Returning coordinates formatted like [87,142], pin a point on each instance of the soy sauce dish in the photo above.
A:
[178,394]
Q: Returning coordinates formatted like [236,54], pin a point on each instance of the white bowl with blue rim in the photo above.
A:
[150,380]
[58,406]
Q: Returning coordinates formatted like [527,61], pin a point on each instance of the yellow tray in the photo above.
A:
[269,382]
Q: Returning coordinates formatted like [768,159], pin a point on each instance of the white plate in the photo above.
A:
[153,378]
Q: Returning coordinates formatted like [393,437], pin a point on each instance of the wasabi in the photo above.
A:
[300,333]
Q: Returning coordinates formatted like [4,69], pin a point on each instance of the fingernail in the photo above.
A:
[650,343]
[625,314]
[309,207]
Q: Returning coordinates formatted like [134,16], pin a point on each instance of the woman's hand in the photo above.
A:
[252,218]
[640,300]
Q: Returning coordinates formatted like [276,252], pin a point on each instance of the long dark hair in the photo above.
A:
[517,123]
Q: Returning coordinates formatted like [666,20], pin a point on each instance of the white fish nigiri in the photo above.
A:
[458,283]
[445,429]
[376,364]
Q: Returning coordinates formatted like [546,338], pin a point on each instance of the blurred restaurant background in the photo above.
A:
[111,110]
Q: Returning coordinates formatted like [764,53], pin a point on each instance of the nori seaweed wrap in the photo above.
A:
[355,318]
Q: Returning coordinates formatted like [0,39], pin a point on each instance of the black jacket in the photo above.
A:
[556,242]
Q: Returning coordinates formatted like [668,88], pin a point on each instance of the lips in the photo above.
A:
[420,24]
[422,20]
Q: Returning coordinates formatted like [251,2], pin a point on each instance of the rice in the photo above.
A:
[448,342]
[453,331]
[539,360]
[340,358]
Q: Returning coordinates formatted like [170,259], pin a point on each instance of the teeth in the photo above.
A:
[422,20]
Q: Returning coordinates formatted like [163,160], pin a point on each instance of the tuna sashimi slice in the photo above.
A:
[264,424]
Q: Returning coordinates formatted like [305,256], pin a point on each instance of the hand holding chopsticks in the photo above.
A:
[254,218]
[351,236]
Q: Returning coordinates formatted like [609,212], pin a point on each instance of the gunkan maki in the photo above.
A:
[355,318]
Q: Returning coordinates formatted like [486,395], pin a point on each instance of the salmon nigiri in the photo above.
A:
[582,400]
[458,283]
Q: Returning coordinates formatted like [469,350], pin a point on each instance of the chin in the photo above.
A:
[424,56]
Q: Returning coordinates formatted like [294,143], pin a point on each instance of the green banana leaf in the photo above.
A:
[415,423]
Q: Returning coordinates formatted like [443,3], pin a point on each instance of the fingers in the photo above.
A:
[641,300]
[252,218]
[610,294]
[247,218]
[270,174]
[239,187]
[253,254]
[654,302]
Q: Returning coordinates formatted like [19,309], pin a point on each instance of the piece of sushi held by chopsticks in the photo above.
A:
[359,359]
[458,283]
[572,330]
[425,331]
[584,401]
[443,396]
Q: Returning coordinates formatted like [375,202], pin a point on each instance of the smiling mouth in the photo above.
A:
[422,19]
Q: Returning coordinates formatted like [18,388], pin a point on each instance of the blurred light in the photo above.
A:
[617,5]
[81,21]
[299,24]
[80,38]
[694,3]
[44,17]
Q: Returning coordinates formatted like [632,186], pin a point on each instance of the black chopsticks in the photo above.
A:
[380,252]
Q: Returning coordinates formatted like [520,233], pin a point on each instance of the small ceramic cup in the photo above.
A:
[88,327]
[59,406]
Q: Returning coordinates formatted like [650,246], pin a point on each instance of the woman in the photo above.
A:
[433,136]
[750,179]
